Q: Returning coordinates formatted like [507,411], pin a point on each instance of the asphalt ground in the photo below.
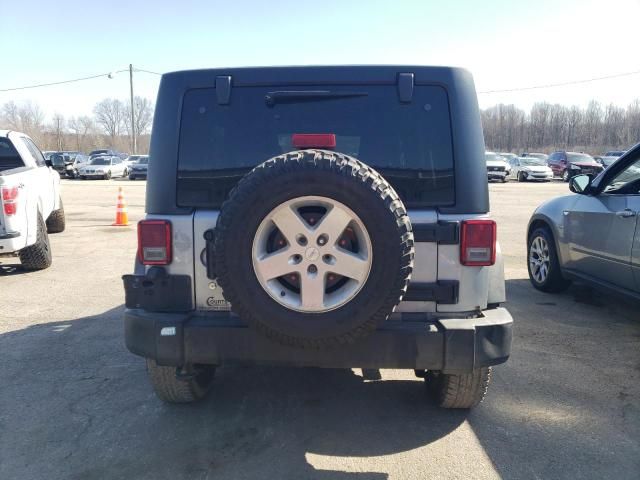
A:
[75,404]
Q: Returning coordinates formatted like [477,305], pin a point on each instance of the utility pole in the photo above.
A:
[133,124]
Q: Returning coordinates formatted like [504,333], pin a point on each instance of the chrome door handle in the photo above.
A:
[626,213]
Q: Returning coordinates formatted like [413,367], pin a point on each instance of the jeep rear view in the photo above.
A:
[329,217]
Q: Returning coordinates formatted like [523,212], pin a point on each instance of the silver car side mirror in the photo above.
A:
[579,183]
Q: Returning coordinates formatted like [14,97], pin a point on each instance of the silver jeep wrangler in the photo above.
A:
[330,217]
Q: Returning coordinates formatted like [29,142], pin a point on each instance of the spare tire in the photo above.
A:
[314,249]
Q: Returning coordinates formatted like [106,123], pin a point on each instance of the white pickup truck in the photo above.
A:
[30,200]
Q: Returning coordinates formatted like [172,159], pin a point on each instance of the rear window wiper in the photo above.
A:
[294,96]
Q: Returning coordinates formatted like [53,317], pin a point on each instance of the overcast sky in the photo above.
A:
[505,44]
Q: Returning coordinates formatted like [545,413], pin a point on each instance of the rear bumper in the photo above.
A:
[496,175]
[449,345]
[11,242]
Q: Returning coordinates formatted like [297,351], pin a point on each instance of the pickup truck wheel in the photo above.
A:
[38,255]
[521,177]
[171,388]
[543,264]
[107,175]
[458,391]
[56,221]
[314,249]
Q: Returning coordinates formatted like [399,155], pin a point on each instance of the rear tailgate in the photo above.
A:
[222,138]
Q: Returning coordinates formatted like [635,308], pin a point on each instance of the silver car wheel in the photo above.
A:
[539,260]
[312,262]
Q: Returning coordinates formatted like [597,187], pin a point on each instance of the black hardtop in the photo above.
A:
[471,191]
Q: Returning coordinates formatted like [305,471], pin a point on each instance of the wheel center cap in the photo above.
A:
[312,254]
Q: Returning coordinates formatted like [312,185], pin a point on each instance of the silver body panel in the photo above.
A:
[478,286]
[592,241]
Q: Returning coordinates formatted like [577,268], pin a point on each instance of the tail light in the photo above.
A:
[478,243]
[154,242]
[10,200]
[313,140]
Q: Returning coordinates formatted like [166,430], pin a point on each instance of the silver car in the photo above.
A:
[530,168]
[592,234]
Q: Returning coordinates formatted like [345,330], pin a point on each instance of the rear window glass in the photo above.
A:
[579,157]
[9,156]
[409,143]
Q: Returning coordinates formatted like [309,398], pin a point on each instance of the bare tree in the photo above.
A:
[82,130]
[110,114]
[58,130]
[10,117]
[142,114]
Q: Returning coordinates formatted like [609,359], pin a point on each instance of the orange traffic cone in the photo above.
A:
[122,219]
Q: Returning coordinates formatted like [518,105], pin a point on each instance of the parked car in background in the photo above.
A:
[47,153]
[593,235]
[79,161]
[609,157]
[569,164]
[104,167]
[102,152]
[508,156]
[530,168]
[59,162]
[132,160]
[497,167]
[615,153]
[139,169]
[66,163]
[30,202]
[541,156]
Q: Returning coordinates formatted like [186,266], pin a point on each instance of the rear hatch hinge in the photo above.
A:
[442,232]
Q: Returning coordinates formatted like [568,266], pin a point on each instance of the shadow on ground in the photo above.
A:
[566,404]
[7,269]
[75,404]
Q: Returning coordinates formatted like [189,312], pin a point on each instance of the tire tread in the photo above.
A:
[170,389]
[325,160]
[38,255]
[459,390]
[56,222]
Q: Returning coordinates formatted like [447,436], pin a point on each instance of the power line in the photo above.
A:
[562,84]
[505,90]
[146,71]
[61,82]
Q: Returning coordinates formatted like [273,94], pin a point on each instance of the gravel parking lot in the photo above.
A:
[74,403]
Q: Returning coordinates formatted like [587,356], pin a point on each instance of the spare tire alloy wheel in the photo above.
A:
[312,254]
[313,249]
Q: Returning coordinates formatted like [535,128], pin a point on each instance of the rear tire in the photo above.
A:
[343,180]
[552,281]
[171,389]
[38,255]
[56,221]
[466,390]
